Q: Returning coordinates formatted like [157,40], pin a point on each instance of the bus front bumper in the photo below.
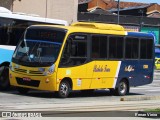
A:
[34,82]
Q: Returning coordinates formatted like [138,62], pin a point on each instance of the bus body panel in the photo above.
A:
[136,72]
[77,75]
[104,74]
[32,78]
[92,75]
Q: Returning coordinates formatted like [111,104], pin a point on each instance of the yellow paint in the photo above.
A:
[50,86]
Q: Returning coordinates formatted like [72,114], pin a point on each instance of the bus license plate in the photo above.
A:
[26,79]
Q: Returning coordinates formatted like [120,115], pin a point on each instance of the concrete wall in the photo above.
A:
[6,3]
[57,9]
[30,6]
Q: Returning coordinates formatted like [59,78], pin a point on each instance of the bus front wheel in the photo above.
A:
[64,89]
[4,78]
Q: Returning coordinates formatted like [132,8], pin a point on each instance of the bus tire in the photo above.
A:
[64,89]
[23,91]
[122,88]
[4,78]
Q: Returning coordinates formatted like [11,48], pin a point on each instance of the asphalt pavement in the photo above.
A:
[140,98]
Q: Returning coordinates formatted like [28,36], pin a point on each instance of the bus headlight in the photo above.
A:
[50,70]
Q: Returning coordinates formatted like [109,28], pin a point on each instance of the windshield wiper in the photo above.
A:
[39,50]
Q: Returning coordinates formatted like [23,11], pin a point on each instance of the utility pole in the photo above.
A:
[46,8]
[118,6]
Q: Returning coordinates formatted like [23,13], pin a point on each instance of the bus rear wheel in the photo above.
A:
[64,89]
[23,91]
[4,78]
[121,90]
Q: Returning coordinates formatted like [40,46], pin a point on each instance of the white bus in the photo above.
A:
[12,27]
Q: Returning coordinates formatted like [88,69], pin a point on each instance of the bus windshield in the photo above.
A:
[39,48]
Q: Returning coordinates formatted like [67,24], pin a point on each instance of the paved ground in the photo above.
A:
[13,97]
[101,100]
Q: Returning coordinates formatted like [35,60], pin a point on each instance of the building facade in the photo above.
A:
[56,9]
[7,4]
[139,17]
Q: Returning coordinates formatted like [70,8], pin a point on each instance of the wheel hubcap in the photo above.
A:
[64,89]
[122,87]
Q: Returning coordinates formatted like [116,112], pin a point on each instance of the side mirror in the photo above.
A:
[72,47]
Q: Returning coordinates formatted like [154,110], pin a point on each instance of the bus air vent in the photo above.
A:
[101,26]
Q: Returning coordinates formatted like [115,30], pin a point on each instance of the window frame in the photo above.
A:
[108,36]
[71,57]
[125,48]
[146,39]
[91,43]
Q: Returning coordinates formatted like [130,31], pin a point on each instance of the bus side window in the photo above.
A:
[132,48]
[99,47]
[116,45]
[146,47]
[75,51]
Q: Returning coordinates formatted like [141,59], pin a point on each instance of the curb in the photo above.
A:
[156,78]
[139,98]
[156,75]
[156,70]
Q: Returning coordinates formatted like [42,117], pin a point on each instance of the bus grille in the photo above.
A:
[28,71]
[32,83]
[20,70]
[35,72]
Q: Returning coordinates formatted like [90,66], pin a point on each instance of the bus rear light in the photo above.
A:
[148,77]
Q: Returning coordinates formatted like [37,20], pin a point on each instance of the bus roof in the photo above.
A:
[100,28]
[85,27]
[140,34]
[22,16]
